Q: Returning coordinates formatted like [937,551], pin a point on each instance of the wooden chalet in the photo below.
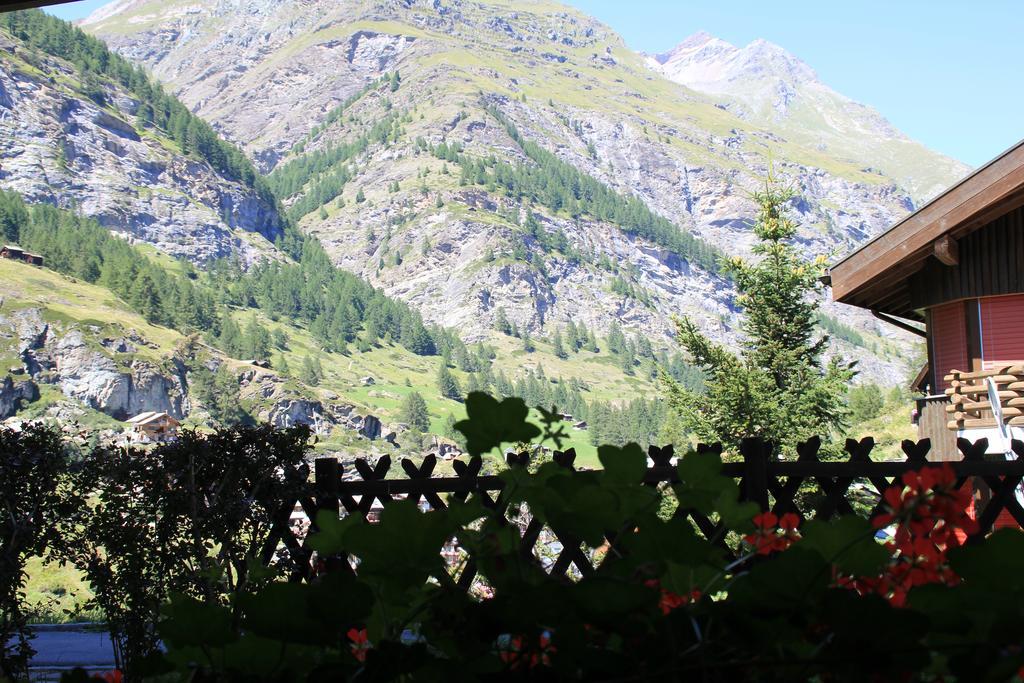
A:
[953,272]
[153,427]
[15,253]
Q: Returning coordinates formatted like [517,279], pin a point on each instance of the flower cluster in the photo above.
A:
[517,653]
[358,643]
[773,533]
[930,514]
[669,601]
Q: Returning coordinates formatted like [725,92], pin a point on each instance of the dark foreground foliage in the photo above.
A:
[179,550]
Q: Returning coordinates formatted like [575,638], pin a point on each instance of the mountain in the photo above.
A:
[764,83]
[112,326]
[71,134]
[354,109]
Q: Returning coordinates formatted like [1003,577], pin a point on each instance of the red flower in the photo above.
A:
[360,644]
[515,655]
[930,514]
[114,676]
[768,539]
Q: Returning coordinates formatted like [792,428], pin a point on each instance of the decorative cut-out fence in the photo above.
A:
[805,485]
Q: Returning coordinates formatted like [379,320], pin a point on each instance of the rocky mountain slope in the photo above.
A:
[75,140]
[72,352]
[765,84]
[299,86]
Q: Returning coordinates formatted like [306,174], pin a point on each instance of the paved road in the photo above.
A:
[68,646]
[61,648]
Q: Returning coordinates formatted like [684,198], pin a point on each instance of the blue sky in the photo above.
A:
[946,73]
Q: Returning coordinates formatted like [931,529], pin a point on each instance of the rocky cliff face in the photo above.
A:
[83,366]
[59,147]
[271,75]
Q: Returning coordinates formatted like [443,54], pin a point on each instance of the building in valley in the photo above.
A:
[953,272]
[153,427]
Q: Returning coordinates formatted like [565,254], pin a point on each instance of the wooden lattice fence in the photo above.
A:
[806,485]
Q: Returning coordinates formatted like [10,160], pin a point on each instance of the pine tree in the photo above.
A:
[230,338]
[256,340]
[360,197]
[777,387]
[556,346]
[279,339]
[572,336]
[527,342]
[616,339]
[501,323]
[146,298]
[414,412]
[447,384]
[311,373]
[281,364]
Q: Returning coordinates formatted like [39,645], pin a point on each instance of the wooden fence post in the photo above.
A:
[756,454]
[326,485]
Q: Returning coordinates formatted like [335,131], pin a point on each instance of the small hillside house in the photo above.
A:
[10,251]
[953,272]
[153,427]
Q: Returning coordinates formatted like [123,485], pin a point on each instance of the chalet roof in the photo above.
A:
[28,4]
[13,247]
[150,417]
[876,275]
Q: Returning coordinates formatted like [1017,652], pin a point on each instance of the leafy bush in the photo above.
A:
[807,600]
[684,581]
[190,518]
[37,499]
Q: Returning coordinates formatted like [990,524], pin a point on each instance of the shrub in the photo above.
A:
[38,503]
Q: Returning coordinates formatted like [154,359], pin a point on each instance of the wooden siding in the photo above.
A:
[931,424]
[991,264]
[1002,329]
[948,337]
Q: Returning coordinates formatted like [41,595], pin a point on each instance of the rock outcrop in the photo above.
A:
[95,379]
[13,395]
[60,147]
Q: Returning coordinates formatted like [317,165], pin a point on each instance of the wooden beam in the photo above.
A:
[992,190]
[13,5]
[946,250]
[900,324]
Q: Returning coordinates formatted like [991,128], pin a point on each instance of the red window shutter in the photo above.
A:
[949,342]
[1002,329]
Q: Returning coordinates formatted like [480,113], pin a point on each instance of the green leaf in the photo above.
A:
[277,612]
[188,621]
[623,465]
[703,487]
[466,512]
[491,423]
[604,596]
[847,542]
[999,561]
[330,539]
[788,581]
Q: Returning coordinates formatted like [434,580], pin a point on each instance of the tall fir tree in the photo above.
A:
[777,387]
[414,412]
[557,347]
[447,384]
